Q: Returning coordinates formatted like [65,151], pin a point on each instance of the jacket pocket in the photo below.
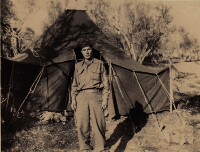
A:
[96,75]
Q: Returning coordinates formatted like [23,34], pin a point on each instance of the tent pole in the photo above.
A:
[68,102]
[171,87]
[47,86]
[166,91]
[146,100]
[110,72]
[168,95]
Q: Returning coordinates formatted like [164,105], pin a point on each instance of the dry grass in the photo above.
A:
[47,137]
[188,82]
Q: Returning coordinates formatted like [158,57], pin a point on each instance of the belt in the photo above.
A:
[91,90]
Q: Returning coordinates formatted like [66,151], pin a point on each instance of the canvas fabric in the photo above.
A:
[57,50]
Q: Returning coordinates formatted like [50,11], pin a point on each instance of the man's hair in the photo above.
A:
[85,45]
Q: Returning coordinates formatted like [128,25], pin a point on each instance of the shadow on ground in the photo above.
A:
[191,103]
[10,126]
[125,130]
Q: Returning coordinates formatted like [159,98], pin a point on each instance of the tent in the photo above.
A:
[43,78]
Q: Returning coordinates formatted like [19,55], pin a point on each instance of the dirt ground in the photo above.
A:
[178,131]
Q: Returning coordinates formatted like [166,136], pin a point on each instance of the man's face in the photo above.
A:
[87,52]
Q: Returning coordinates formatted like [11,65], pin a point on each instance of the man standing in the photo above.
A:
[90,90]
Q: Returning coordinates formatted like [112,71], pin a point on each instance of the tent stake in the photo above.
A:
[146,100]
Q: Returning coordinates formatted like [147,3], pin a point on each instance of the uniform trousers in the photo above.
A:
[89,112]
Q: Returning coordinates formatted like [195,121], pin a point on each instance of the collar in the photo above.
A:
[92,61]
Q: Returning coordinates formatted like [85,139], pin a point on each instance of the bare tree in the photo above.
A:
[13,39]
[138,31]
[27,38]
[149,30]
[54,11]
[98,11]
[6,30]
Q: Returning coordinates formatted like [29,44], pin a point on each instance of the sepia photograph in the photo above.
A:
[100,75]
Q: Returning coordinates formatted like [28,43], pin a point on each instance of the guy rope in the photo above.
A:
[120,90]
[146,100]
[166,91]
[32,89]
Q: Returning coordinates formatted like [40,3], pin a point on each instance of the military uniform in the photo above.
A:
[90,86]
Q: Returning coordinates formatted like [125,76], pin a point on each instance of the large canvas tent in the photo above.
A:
[43,78]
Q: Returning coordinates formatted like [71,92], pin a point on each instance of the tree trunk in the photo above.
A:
[143,56]
[133,52]
[130,45]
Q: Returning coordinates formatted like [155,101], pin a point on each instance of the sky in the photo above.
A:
[186,13]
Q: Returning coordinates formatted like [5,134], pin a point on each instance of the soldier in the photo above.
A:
[90,90]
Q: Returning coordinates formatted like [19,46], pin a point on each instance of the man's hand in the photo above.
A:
[74,105]
[104,104]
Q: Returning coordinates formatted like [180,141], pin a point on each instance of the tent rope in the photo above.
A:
[9,94]
[40,75]
[35,54]
[32,89]
[3,100]
[116,76]
[10,85]
[166,91]
[120,90]
[168,95]
[146,100]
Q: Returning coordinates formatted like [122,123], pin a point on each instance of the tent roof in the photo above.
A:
[72,28]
